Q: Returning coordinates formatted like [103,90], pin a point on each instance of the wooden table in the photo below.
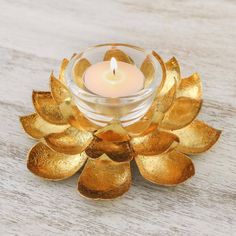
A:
[36,35]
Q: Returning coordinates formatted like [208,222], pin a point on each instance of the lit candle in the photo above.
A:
[113,79]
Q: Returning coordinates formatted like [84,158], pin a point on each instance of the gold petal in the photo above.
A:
[190,87]
[103,178]
[154,143]
[79,121]
[47,108]
[117,151]
[64,64]
[79,70]
[49,164]
[182,112]
[113,132]
[118,54]
[169,168]
[71,141]
[148,70]
[196,138]
[59,91]
[37,128]
[172,75]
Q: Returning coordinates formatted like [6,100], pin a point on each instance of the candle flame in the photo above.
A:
[113,64]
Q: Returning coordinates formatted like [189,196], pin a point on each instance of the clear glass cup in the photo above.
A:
[102,110]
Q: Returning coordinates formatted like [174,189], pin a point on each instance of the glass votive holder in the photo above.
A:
[129,109]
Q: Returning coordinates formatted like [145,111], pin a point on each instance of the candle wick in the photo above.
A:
[114,72]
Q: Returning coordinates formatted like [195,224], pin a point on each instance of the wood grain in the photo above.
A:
[36,35]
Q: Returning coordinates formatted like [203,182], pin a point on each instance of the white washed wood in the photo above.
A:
[35,35]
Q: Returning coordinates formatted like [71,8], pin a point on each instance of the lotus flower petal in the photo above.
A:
[182,112]
[117,151]
[49,164]
[148,70]
[64,64]
[118,55]
[37,127]
[190,87]
[79,70]
[79,121]
[154,143]
[71,141]
[196,138]
[103,178]
[172,75]
[59,91]
[47,108]
[169,168]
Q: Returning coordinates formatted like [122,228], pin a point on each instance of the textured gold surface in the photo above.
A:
[117,151]
[63,66]
[196,138]
[103,178]
[182,112]
[79,70]
[118,55]
[37,128]
[157,141]
[47,108]
[49,164]
[190,87]
[166,169]
[113,132]
[154,143]
[71,141]
[59,91]
[148,70]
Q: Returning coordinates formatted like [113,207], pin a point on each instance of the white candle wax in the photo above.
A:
[113,79]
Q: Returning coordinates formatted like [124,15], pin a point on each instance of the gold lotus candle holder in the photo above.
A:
[156,127]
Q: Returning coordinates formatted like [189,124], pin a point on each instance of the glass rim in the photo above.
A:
[145,92]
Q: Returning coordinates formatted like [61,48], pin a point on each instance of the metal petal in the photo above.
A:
[79,70]
[71,141]
[118,54]
[63,66]
[154,143]
[117,151]
[196,138]
[190,87]
[182,112]
[113,132]
[148,70]
[169,168]
[47,108]
[103,178]
[79,121]
[37,128]
[172,75]
[59,91]
[46,163]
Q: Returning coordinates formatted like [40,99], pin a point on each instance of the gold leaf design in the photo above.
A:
[154,143]
[148,70]
[182,112]
[190,87]
[47,108]
[71,141]
[63,66]
[117,151]
[37,127]
[169,168]
[118,55]
[46,163]
[103,178]
[197,137]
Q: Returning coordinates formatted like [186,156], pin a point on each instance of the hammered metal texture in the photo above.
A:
[170,168]
[103,178]
[52,165]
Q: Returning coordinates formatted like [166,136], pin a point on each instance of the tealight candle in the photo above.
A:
[113,79]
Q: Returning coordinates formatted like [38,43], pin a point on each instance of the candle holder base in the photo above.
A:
[159,142]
